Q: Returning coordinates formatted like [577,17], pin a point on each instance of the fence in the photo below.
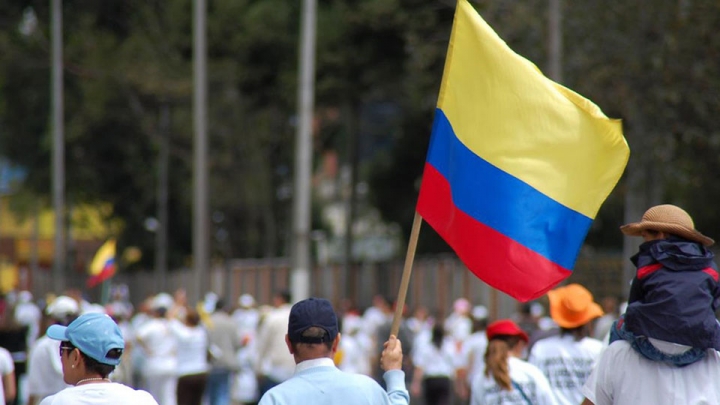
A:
[435,283]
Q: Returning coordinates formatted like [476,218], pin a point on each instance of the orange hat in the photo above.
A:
[505,327]
[573,306]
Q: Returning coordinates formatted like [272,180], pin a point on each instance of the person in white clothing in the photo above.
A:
[192,364]
[244,384]
[44,370]
[7,371]
[246,316]
[435,365]
[91,347]
[275,364]
[160,348]
[567,359]
[28,314]
[507,380]
[458,324]
[355,346]
[623,376]
[472,356]
[664,348]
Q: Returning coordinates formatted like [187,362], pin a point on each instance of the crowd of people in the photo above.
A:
[660,347]
[217,353]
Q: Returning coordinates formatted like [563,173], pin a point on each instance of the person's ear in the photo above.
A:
[289,345]
[75,358]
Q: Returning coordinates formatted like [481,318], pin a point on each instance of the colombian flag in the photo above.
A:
[518,165]
[103,264]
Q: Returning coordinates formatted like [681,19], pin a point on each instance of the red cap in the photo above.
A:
[505,327]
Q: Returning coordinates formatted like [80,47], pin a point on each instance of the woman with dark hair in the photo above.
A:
[192,364]
[435,366]
[507,379]
[90,349]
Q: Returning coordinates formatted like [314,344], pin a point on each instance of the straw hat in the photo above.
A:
[667,218]
[572,306]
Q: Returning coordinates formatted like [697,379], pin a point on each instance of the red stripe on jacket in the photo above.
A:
[647,270]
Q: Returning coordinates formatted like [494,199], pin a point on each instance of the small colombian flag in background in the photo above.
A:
[103,265]
[518,165]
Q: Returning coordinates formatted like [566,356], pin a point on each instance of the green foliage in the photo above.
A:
[655,66]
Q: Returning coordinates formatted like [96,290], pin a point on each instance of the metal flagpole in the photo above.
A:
[200,178]
[300,277]
[58,153]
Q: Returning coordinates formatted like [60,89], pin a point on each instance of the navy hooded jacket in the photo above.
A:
[675,293]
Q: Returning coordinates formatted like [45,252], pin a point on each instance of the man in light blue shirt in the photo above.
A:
[313,339]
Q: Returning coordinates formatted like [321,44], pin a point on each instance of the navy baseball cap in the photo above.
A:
[94,334]
[311,312]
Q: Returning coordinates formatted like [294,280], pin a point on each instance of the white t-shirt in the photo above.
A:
[28,314]
[7,366]
[473,355]
[161,345]
[247,321]
[192,348]
[485,391]
[373,318]
[623,376]
[44,369]
[436,362]
[100,394]
[355,354]
[567,364]
[458,326]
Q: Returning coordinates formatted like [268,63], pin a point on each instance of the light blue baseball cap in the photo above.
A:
[94,334]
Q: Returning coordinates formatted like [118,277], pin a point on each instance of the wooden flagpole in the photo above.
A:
[407,269]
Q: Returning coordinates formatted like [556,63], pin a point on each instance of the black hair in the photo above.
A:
[578,333]
[479,324]
[220,304]
[314,332]
[94,366]
[438,334]
[284,295]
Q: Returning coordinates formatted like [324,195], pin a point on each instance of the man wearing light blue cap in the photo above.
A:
[90,349]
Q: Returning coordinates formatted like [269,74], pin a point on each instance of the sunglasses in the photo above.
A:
[66,347]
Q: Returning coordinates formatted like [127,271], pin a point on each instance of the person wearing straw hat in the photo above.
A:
[675,292]
[90,349]
[664,349]
[507,379]
[568,358]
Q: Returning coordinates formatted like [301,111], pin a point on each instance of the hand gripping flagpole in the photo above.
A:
[407,270]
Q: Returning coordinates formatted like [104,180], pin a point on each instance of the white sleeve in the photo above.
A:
[47,400]
[55,357]
[598,386]
[466,351]
[180,330]
[418,355]
[477,391]
[144,330]
[6,362]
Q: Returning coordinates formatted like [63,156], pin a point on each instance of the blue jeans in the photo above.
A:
[218,387]
[642,345]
